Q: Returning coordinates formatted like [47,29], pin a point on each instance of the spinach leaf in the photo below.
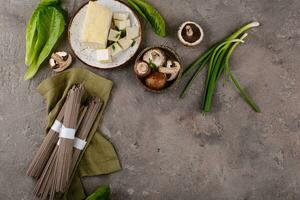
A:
[151,15]
[137,8]
[102,193]
[45,27]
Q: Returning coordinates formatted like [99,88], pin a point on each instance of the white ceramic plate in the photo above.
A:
[88,55]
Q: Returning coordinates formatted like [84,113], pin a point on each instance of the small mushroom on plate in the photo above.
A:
[155,56]
[190,33]
[60,61]
[156,80]
[172,69]
[142,69]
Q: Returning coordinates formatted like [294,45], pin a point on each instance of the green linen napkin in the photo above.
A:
[99,156]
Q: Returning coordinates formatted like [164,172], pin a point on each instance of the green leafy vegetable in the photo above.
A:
[133,43]
[152,65]
[151,15]
[217,58]
[123,32]
[118,35]
[102,193]
[44,28]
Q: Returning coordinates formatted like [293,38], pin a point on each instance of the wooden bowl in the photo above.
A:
[170,54]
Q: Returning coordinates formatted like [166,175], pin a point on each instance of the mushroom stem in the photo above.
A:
[189,31]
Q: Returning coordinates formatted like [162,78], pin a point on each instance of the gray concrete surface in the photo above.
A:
[168,149]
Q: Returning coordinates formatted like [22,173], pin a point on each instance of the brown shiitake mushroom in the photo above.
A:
[142,69]
[155,56]
[60,61]
[172,69]
[156,80]
[190,33]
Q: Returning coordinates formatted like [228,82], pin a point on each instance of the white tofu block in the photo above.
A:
[104,55]
[96,25]
[115,49]
[132,32]
[120,15]
[125,43]
[121,25]
[114,35]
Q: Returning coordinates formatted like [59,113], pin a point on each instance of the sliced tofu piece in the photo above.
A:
[121,25]
[96,25]
[132,32]
[115,49]
[121,15]
[114,35]
[125,43]
[104,55]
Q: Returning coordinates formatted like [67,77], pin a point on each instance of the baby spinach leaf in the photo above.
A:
[151,15]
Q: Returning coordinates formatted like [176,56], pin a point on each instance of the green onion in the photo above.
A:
[246,97]
[217,58]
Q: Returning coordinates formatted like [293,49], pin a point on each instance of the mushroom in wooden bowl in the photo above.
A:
[158,68]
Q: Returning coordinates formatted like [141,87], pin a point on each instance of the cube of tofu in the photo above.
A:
[121,25]
[132,32]
[115,49]
[114,35]
[120,15]
[103,55]
[125,43]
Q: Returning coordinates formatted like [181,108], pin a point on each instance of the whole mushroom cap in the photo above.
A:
[142,69]
[156,80]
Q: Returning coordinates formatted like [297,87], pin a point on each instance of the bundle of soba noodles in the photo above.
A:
[66,138]
[56,172]
[93,109]
[46,183]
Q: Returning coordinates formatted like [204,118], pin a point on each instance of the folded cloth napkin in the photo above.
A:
[99,157]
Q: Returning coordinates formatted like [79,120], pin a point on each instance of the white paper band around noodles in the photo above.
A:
[79,143]
[68,133]
[56,126]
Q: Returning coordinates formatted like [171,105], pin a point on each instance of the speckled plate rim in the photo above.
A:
[122,64]
[175,82]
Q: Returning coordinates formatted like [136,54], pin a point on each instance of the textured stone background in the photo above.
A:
[168,149]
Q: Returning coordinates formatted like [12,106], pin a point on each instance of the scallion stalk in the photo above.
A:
[217,58]
[246,97]
[213,69]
